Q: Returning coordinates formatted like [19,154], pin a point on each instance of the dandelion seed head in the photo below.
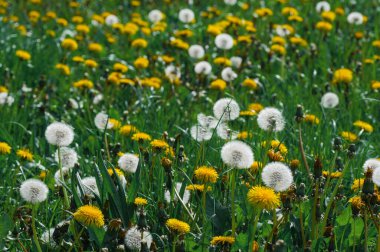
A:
[34,191]
[59,134]
[128,162]
[237,154]
[133,238]
[277,176]
[196,51]
[329,100]
[186,15]
[226,109]
[224,41]
[69,157]
[271,119]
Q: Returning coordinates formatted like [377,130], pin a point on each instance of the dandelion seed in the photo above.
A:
[203,67]
[134,237]
[271,119]
[59,134]
[237,154]
[329,100]
[34,191]
[102,121]
[226,109]
[200,133]
[128,162]
[277,176]
[224,41]
[186,15]
[196,51]
[68,157]
[372,164]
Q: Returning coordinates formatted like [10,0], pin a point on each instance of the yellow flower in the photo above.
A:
[167,59]
[327,174]
[34,16]
[142,43]
[140,136]
[95,47]
[77,19]
[264,12]
[339,11]
[196,187]
[179,43]
[206,174]
[324,26]
[257,107]
[119,67]
[83,28]
[25,154]
[61,21]
[328,15]
[278,40]
[263,198]
[115,123]
[83,84]
[275,144]
[178,226]
[3,89]
[141,62]
[218,84]
[23,55]
[250,83]
[247,113]
[89,216]
[356,202]
[5,148]
[42,175]
[78,59]
[126,130]
[222,61]
[309,118]
[376,44]
[278,49]
[65,69]
[349,136]
[119,172]
[216,240]
[140,201]
[375,85]
[289,11]
[69,44]
[295,18]
[342,75]
[243,134]
[298,41]
[255,167]
[91,63]
[364,126]
[357,184]
[159,144]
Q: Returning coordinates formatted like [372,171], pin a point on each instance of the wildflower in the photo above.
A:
[89,216]
[25,154]
[322,6]
[155,16]
[206,174]
[142,43]
[90,186]
[140,136]
[203,67]
[196,187]
[186,15]
[263,198]
[327,174]
[119,67]
[115,124]
[110,20]
[5,148]
[23,55]
[95,47]
[364,126]
[342,75]
[376,177]
[312,119]
[372,164]
[65,69]
[277,176]
[357,184]
[218,84]
[134,237]
[207,121]
[356,202]
[91,63]
[59,134]
[264,12]
[185,196]
[68,157]
[141,62]
[69,44]
[159,144]
[271,119]
[178,226]
[34,191]
[237,154]
[200,133]
[257,107]
[224,41]
[355,18]
[196,51]
[224,132]
[324,26]
[102,121]
[228,74]
[349,136]
[128,162]
[126,130]
[328,15]
[278,49]
[329,100]
[61,175]
[140,201]
[84,84]
[222,240]
[226,109]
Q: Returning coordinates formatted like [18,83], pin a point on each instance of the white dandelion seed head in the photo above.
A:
[102,121]
[90,186]
[207,121]
[5,98]
[228,74]
[225,133]
[172,72]
[128,162]
[230,2]
[203,67]
[111,20]
[277,176]
[155,16]
[133,238]
[200,133]
[185,196]
[355,18]
[57,175]
[59,134]
[371,163]
[271,119]
[226,109]
[196,51]
[282,31]
[186,15]
[224,41]
[69,157]
[34,191]
[236,61]
[376,177]
[322,6]
[237,154]
[97,99]
[47,238]
[329,100]
[73,103]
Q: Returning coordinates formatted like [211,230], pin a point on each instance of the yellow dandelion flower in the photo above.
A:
[3,89]
[126,130]
[5,148]
[140,136]
[140,43]
[25,154]
[342,75]
[349,136]
[140,201]
[42,175]
[178,226]
[375,85]
[279,49]
[327,174]
[95,47]
[263,198]
[196,187]
[91,63]
[69,44]
[23,55]
[255,167]
[119,172]
[84,84]
[364,126]
[159,144]
[65,69]
[222,240]
[255,107]
[206,174]
[115,123]
[89,216]
[328,15]
[278,40]
[141,62]
[357,184]
[324,26]
[250,83]
[119,67]
[218,84]
[312,119]
[356,202]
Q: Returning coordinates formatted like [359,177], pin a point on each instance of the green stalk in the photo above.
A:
[233,187]
[302,227]
[255,221]
[35,238]
[174,243]
[66,199]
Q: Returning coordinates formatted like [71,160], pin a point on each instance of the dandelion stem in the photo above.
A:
[255,222]
[174,243]
[314,212]
[107,147]
[365,230]
[302,227]
[65,196]
[233,185]
[302,149]
[35,238]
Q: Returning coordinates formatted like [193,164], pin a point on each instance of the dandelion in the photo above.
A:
[203,67]
[237,154]
[155,16]
[342,75]
[128,162]
[236,61]
[230,2]
[34,191]
[224,132]
[228,74]
[364,126]
[140,201]
[206,174]
[207,121]
[185,196]
[196,51]
[322,6]
[226,109]
[141,136]
[178,226]
[271,119]
[277,176]
[355,18]
[224,41]
[102,121]
[329,100]
[263,198]
[5,148]
[90,186]
[222,240]
[23,55]
[61,174]
[349,136]
[25,154]
[89,216]
[111,20]
[59,134]
[200,133]
[376,177]
[68,157]
[372,164]
[126,130]
[186,15]
[134,237]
